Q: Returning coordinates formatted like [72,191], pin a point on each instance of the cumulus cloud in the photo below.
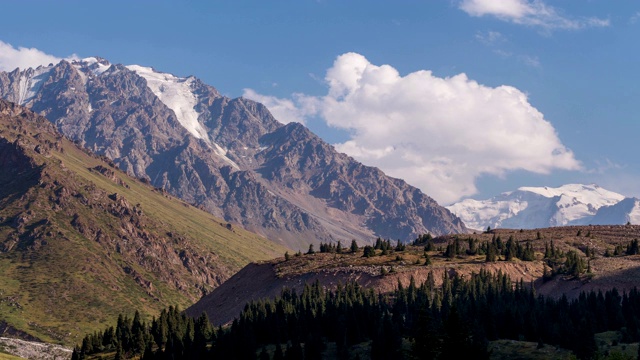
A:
[285,110]
[11,58]
[439,134]
[529,12]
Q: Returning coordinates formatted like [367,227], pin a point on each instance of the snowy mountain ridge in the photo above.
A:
[229,156]
[537,207]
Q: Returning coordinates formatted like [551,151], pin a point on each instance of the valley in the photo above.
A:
[125,190]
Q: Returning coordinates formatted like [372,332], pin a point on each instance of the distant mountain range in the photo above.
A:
[227,156]
[539,207]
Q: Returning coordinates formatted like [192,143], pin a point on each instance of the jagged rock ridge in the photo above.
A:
[228,156]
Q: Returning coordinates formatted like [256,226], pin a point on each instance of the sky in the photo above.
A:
[461,98]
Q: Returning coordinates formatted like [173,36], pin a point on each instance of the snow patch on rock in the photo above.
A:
[30,82]
[177,94]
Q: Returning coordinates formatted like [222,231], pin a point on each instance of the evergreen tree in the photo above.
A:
[633,248]
[75,355]
[369,251]
[492,253]
[473,246]
[510,250]
[354,246]
[119,354]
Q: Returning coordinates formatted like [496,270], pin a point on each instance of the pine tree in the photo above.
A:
[354,246]
[119,354]
[492,253]
[633,248]
[369,251]
[76,354]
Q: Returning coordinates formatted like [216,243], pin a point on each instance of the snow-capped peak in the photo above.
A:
[591,194]
[533,207]
[95,64]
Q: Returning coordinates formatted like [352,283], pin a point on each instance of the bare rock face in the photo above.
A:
[228,156]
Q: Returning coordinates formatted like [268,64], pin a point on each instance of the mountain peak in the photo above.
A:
[180,134]
[536,207]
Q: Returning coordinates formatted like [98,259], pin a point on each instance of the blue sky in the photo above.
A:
[548,94]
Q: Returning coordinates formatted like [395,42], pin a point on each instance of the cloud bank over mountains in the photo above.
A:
[11,58]
[439,134]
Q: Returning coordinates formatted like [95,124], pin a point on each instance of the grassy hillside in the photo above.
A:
[81,241]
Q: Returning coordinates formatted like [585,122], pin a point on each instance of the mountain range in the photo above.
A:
[539,207]
[229,157]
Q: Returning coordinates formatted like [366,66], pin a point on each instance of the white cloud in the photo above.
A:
[284,110]
[439,134]
[11,58]
[528,12]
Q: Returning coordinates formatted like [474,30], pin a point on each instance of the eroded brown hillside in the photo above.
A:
[81,242]
[383,272]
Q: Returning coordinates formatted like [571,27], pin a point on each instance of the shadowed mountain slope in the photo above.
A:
[80,241]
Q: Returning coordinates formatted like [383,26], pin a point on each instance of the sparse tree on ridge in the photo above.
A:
[354,246]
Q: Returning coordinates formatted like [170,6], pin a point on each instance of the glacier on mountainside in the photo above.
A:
[30,82]
[177,94]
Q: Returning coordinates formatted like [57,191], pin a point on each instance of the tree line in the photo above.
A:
[422,321]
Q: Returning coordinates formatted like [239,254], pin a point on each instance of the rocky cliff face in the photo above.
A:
[228,156]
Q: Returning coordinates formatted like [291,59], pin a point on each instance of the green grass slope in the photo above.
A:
[81,242]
